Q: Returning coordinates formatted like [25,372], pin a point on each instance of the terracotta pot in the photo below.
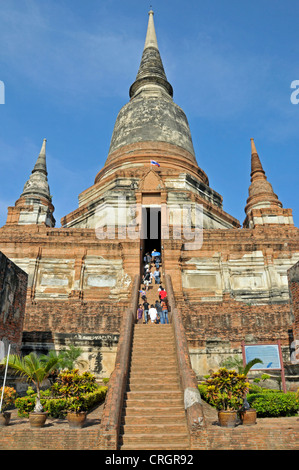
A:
[227,419]
[37,419]
[76,420]
[4,418]
[248,417]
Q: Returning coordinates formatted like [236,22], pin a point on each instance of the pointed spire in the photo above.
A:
[256,166]
[151,38]
[261,193]
[41,164]
[151,71]
[37,184]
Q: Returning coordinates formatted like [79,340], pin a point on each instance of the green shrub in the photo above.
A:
[268,403]
[57,407]
[273,403]
[226,389]
[70,384]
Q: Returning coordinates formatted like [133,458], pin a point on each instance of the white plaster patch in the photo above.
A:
[101,281]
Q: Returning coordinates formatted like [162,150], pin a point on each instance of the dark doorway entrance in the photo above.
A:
[151,229]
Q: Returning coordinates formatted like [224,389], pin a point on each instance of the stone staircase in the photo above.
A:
[153,415]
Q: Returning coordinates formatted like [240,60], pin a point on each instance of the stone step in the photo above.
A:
[141,379]
[137,378]
[140,387]
[149,326]
[153,364]
[152,429]
[153,404]
[150,370]
[151,373]
[149,334]
[153,346]
[151,359]
[155,394]
[147,417]
[145,347]
[153,340]
[181,439]
[163,356]
[163,399]
[152,411]
[153,326]
[148,446]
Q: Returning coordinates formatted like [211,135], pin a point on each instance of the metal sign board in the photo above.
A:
[267,353]
[2,350]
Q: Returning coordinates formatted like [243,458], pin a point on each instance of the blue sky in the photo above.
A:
[67,66]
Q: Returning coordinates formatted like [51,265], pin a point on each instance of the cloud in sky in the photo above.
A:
[66,60]
[68,65]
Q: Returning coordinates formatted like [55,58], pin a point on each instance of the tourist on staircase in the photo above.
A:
[139,314]
[142,294]
[145,311]
[159,310]
[162,294]
[164,311]
[157,275]
[153,314]
[146,279]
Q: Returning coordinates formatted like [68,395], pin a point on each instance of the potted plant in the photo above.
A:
[247,414]
[9,396]
[226,390]
[76,412]
[35,369]
[73,387]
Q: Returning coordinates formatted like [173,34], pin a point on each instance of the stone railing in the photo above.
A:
[192,398]
[111,417]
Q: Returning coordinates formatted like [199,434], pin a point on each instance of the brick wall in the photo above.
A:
[279,434]
[13,288]
[293,277]
[62,316]
[234,321]
[92,326]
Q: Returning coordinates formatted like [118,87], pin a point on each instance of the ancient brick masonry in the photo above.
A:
[293,277]
[13,289]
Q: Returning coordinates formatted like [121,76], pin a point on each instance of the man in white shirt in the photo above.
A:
[153,314]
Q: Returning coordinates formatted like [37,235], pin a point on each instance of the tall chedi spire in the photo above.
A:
[263,206]
[37,184]
[151,127]
[151,73]
[35,203]
[151,119]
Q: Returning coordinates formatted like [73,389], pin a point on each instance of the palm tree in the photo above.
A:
[236,363]
[35,369]
[70,357]
[250,364]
